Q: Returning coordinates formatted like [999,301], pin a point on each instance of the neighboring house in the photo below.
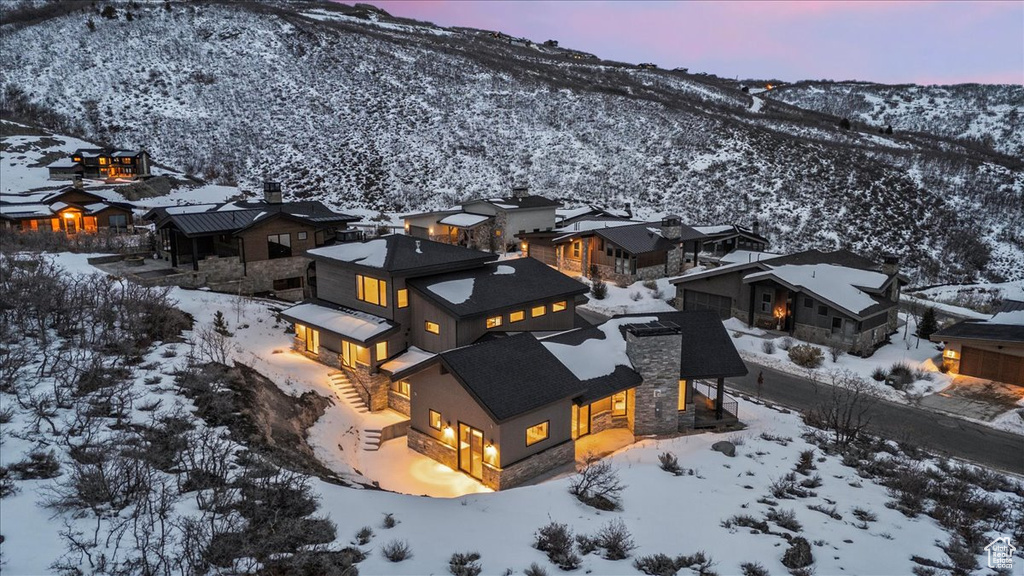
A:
[616,249]
[822,297]
[105,163]
[564,217]
[378,305]
[491,223]
[70,210]
[504,411]
[992,349]
[727,238]
[253,247]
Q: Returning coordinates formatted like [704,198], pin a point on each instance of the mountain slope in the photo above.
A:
[360,109]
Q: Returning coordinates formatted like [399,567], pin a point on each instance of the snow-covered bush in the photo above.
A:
[465,564]
[806,355]
[799,554]
[396,551]
[753,569]
[879,374]
[597,484]
[599,289]
[616,540]
[836,349]
[670,463]
[364,535]
[556,541]
[785,343]
[768,347]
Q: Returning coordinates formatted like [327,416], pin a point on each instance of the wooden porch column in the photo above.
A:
[195,255]
[174,247]
[696,251]
[720,399]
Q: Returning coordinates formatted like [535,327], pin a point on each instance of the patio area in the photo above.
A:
[602,444]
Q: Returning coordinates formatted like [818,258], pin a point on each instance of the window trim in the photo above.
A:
[559,306]
[513,320]
[543,309]
[547,432]
[625,403]
[402,388]
[382,290]
[430,419]
[377,348]
[437,327]
[402,298]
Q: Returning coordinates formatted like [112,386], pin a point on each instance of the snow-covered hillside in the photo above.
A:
[358,108]
[989,115]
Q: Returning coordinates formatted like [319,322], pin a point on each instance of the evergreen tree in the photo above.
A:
[220,325]
[928,325]
[888,129]
[844,123]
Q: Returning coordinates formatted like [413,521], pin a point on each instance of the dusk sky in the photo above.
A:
[920,42]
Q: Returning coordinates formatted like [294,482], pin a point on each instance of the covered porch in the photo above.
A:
[713,408]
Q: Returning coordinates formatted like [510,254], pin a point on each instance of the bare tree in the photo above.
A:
[845,409]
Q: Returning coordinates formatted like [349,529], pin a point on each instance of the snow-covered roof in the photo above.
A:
[1013,318]
[62,163]
[372,253]
[595,224]
[713,229]
[409,359]
[25,210]
[464,220]
[596,357]
[454,291]
[745,256]
[189,209]
[838,285]
[355,325]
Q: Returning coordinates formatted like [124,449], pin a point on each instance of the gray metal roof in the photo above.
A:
[637,238]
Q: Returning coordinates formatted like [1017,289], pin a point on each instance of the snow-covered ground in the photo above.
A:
[635,298]
[974,294]
[664,513]
[19,157]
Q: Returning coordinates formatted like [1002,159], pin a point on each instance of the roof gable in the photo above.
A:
[397,253]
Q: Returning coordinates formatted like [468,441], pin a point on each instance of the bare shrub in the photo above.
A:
[38,465]
[900,375]
[829,511]
[785,518]
[635,296]
[586,544]
[465,564]
[799,554]
[656,565]
[364,535]
[597,484]
[908,485]
[768,346]
[651,284]
[669,463]
[616,540]
[879,374]
[746,521]
[753,569]
[396,551]
[806,463]
[846,409]
[389,521]
[864,515]
[836,349]
[806,356]
[556,541]
[535,570]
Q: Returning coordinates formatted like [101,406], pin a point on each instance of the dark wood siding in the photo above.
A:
[423,311]
[693,300]
[471,329]
[254,239]
[337,284]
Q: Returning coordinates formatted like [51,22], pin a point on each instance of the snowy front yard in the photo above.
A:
[777,480]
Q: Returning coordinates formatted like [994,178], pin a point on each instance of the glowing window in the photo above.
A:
[382,351]
[371,290]
[494,321]
[559,306]
[516,316]
[403,298]
[619,404]
[682,395]
[537,433]
[435,420]
[402,388]
[538,311]
[352,354]
[432,327]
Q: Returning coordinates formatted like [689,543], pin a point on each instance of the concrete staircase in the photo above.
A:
[343,387]
[345,390]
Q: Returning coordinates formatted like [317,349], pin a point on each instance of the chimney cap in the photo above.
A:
[890,259]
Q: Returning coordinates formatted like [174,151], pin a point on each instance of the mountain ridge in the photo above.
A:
[350,105]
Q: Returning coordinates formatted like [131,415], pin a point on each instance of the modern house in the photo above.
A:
[504,411]
[69,211]
[617,249]
[822,297]
[252,247]
[376,306]
[105,163]
[488,223]
[992,349]
[724,239]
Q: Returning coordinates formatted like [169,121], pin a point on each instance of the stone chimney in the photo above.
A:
[520,191]
[756,227]
[629,210]
[671,227]
[890,264]
[272,192]
[655,350]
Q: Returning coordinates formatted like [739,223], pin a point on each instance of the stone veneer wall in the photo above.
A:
[432,448]
[530,467]
[601,421]
[861,344]
[656,400]
[398,403]
[372,388]
[688,419]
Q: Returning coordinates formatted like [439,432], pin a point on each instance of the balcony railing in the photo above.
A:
[705,395]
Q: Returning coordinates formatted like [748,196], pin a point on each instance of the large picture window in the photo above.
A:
[537,433]
[619,404]
[352,354]
[279,246]
[372,290]
[118,222]
[766,302]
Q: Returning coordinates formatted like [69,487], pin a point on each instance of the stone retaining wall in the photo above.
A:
[432,448]
[530,467]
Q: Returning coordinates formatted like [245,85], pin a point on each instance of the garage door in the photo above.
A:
[992,365]
[703,301]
